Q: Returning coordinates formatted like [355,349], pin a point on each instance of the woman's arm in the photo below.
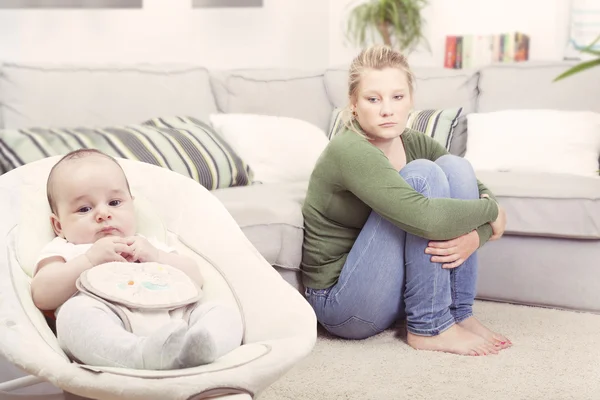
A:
[434,150]
[367,173]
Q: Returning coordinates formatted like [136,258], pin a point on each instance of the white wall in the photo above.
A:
[546,21]
[281,33]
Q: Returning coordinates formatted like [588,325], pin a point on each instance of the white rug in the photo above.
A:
[555,356]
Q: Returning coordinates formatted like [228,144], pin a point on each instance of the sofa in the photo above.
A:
[548,255]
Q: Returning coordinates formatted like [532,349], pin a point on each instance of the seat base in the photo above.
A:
[541,271]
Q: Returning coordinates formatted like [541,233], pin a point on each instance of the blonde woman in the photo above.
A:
[393,223]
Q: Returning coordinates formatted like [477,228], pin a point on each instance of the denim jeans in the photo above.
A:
[388,276]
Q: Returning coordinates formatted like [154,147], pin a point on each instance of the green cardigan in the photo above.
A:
[351,178]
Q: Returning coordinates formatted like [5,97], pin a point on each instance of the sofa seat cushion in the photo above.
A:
[544,204]
[270,215]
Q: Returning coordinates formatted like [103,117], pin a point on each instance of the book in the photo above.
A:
[467,51]
[508,48]
[521,47]
[450,54]
[459,52]
[473,51]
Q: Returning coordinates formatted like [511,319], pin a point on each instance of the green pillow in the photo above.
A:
[438,124]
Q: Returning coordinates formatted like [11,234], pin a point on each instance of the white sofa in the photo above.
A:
[544,259]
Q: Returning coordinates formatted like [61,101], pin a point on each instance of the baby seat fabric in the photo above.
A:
[279,325]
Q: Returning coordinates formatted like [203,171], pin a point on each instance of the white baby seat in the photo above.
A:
[279,325]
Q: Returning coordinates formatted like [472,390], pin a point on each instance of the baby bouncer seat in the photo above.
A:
[279,325]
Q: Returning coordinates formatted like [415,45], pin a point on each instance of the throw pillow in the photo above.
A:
[195,151]
[278,149]
[551,141]
[438,124]
[207,149]
[337,123]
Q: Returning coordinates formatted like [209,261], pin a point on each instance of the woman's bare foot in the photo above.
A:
[472,324]
[455,339]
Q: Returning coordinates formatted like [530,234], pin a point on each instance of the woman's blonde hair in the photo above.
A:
[374,57]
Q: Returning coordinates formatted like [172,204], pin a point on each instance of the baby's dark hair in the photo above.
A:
[75,154]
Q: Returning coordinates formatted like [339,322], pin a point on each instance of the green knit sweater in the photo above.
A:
[351,178]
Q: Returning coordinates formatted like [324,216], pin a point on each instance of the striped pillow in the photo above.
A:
[193,149]
[438,124]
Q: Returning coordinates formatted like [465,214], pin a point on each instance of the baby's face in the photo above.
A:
[92,201]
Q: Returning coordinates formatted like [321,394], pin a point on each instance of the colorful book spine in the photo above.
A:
[467,51]
[508,51]
[473,51]
[450,55]
[521,47]
[459,52]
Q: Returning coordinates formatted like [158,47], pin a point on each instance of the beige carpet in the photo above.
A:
[555,356]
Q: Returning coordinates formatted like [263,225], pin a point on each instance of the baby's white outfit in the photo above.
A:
[140,315]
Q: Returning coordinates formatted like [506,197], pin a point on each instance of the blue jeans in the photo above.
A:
[388,276]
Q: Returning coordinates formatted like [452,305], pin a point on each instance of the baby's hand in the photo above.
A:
[107,249]
[140,249]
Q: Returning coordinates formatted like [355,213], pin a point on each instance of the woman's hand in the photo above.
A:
[499,225]
[452,253]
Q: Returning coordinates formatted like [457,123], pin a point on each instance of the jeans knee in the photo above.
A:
[461,177]
[427,178]
[456,165]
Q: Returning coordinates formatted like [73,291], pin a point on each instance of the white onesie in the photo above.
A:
[141,315]
[144,296]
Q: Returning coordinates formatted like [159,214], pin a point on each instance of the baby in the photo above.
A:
[94,219]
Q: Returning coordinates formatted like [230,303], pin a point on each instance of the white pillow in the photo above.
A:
[535,141]
[277,149]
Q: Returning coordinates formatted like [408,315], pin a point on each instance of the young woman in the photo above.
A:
[393,222]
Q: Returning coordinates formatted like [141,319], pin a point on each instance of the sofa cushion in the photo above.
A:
[458,144]
[530,85]
[195,150]
[102,95]
[551,205]
[277,92]
[270,215]
[279,149]
[551,141]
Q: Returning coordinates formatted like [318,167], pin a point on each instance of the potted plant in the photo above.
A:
[583,65]
[398,22]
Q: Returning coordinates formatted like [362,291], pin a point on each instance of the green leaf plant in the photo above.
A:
[398,22]
[583,65]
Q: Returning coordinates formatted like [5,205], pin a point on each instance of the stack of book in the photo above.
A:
[473,51]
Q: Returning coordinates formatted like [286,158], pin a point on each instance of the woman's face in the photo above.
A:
[383,102]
